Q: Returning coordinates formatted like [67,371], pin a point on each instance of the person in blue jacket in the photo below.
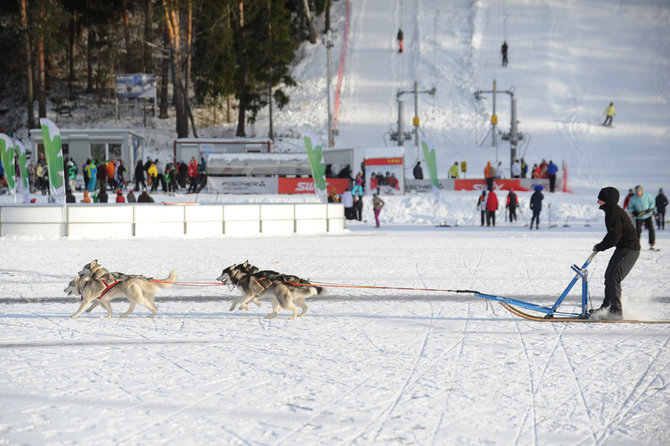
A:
[536,206]
[622,235]
[642,207]
[552,169]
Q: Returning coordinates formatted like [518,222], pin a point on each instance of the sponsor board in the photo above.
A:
[306,185]
[242,185]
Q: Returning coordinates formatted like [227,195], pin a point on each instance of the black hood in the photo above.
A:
[609,195]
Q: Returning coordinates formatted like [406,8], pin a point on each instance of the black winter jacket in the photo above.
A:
[620,230]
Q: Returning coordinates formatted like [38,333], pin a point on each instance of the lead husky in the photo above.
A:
[283,290]
[101,289]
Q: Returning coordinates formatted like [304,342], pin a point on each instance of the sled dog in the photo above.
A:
[282,289]
[137,289]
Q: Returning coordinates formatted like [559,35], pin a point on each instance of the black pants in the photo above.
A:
[536,219]
[512,213]
[660,219]
[483,217]
[489,183]
[649,224]
[552,183]
[621,263]
[490,218]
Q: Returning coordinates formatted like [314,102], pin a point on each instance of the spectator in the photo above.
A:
[500,171]
[642,207]
[358,184]
[145,197]
[418,172]
[121,174]
[358,207]
[72,175]
[512,203]
[491,208]
[661,204]
[202,175]
[119,197]
[516,169]
[92,172]
[111,170]
[87,198]
[489,175]
[332,196]
[536,206]
[182,172]
[552,169]
[152,174]
[139,176]
[524,168]
[131,196]
[192,175]
[481,205]
[348,202]
[377,205]
[626,201]
[453,170]
[102,195]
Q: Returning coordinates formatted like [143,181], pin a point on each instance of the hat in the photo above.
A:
[538,187]
[660,191]
[639,188]
[609,195]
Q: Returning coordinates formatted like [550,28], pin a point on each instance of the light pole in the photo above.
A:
[415,120]
[329,45]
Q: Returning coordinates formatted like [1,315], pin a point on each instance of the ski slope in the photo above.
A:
[568,61]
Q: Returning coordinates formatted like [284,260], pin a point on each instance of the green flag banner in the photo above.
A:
[7,158]
[315,157]
[23,165]
[53,152]
[429,155]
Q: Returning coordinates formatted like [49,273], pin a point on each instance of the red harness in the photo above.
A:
[107,287]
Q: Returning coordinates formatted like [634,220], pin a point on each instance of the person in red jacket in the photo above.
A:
[193,175]
[119,197]
[491,208]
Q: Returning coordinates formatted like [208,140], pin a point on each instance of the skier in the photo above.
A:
[661,204]
[622,235]
[503,51]
[536,206]
[481,205]
[400,37]
[642,207]
[609,114]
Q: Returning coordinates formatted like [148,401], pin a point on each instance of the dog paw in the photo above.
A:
[232,308]
[271,316]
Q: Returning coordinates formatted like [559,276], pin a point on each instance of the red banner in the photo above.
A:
[481,184]
[306,185]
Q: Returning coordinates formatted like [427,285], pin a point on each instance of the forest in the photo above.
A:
[233,55]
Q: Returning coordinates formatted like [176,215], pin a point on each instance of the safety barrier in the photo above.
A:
[157,220]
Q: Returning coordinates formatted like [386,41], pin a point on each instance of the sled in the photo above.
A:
[534,312]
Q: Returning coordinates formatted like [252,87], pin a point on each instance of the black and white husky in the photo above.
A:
[284,290]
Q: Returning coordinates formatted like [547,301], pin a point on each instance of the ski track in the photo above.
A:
[620,413]
[531,384]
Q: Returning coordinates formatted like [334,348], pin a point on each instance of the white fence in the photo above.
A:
[157,220]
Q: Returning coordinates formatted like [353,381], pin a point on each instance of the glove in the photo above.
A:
[595,247]
[636,213]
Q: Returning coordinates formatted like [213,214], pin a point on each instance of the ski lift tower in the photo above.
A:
[514,136]
[415,120]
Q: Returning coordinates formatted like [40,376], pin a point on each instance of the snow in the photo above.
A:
[378,366]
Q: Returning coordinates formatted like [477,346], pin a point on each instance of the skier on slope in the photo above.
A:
[399,37]
[622,235]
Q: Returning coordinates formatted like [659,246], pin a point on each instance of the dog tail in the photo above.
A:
[168,281]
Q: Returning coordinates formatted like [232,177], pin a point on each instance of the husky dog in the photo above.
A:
[100,288]
[283,290]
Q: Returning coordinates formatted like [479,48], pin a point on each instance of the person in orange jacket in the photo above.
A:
[110,174]
[491,208]
[489,174]
[86,199]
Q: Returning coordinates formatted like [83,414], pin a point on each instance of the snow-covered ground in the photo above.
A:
[370,366]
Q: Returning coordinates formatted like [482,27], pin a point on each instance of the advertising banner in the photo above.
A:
[315,157]
[385,174]
[306,185]
[131,86]
[7,158]
[53,152]
[242,185]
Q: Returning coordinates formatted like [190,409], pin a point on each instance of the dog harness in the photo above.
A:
[108,286]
